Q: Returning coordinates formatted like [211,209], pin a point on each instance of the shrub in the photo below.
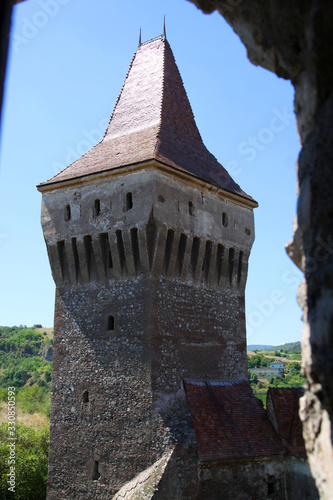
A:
[31,454]
[262,398]
[4,394]
[294,368]
[48,373]
[257,361]
[33,399]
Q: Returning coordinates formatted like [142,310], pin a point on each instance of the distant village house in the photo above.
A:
[275,369]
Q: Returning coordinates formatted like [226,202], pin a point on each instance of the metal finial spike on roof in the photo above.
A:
[164,34]
[139,45]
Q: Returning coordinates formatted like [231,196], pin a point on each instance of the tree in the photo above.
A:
[257,361]
[294,368]
[31,455]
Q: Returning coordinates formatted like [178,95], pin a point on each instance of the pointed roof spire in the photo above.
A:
[139,45]
[152,120]
[164,33]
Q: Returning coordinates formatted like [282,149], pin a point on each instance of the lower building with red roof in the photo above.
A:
[244,451]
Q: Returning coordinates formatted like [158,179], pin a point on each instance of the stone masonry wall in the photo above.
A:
[117,397]
[101,394]
[198,333]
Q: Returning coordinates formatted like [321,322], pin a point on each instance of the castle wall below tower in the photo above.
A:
[121,352]
[197,333]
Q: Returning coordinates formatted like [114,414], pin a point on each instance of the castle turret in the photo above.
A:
[148,240]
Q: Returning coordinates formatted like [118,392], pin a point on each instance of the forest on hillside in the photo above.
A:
[289,347]
[25,387]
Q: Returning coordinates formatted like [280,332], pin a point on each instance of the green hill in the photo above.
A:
[25,362]
[25,374]
[290,347]
[259,347]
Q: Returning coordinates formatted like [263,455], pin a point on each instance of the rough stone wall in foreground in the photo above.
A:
[295,41]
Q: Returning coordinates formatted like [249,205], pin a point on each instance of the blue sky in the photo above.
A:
[67,63]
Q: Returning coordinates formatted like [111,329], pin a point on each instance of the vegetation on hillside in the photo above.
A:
[258,361]
[23,365]
[292,371]
[31,457]
[290,347]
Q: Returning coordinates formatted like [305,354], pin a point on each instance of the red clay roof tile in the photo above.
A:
[282,409]
[230,422]
[152,119]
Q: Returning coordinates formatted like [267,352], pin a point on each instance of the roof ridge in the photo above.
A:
[292,422]
[107,127]
[185,91]
[162,98]
[119,95]
[277,429]
[152,40]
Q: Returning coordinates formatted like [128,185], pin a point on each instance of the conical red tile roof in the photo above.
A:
[152,119]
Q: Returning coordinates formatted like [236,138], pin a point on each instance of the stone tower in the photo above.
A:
[148,239]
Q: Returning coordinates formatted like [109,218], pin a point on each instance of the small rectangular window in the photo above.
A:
[129,201]
[96,475]
[97,208]
[111,323]
[67,213]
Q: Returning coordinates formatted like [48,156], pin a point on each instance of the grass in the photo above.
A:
[35,420]
[49,331]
